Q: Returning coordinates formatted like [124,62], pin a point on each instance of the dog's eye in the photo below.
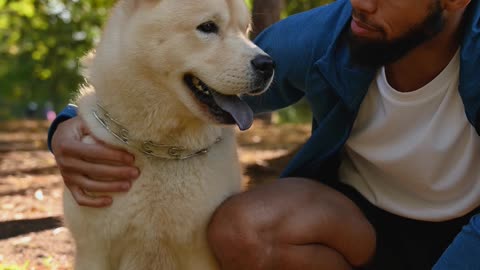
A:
[208,27]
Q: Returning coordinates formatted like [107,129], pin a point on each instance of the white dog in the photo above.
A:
[163,83]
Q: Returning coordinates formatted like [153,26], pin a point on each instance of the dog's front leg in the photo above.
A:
[199,259]
[92,254]
[92,257]
[147,258]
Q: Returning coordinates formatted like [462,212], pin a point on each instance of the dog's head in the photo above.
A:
[196,52]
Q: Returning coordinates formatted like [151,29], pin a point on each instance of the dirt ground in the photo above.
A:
[31,232]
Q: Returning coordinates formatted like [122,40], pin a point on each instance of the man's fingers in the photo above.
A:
[98,152]
[99,172]
[83,128]
[88,185]
[91,167]
[84,200]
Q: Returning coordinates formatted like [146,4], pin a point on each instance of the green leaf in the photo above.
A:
[4,22]
[23,8]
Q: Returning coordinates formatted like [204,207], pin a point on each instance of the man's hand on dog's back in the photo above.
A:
[91,167]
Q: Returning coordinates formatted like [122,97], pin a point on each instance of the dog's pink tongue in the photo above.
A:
[237,108]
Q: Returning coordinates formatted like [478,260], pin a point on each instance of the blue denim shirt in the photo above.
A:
[313,61]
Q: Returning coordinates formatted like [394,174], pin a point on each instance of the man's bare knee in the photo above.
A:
[249,229]
[328,218]
[234,237]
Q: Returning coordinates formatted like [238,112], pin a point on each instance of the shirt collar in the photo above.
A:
[351,83]
[469,86]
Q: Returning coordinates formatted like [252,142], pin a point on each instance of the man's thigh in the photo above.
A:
[272,220]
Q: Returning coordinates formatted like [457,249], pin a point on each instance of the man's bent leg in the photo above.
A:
[291,224]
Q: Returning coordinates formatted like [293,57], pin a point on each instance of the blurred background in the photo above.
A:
[40,44]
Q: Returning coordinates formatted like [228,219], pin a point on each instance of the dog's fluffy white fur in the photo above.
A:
[137,75]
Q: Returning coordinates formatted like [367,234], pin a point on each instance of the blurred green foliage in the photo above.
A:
[41,42]
[296,6]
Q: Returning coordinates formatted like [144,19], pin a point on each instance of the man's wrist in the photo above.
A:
[68,112]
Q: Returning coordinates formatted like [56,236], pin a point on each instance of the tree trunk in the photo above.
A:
[264,14]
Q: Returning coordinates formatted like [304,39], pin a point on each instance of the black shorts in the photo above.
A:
[403,243]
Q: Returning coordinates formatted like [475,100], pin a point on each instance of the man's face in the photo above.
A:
[383,31]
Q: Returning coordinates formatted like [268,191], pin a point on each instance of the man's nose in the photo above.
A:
[364,6]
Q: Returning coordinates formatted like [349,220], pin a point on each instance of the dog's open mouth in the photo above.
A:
[226,109]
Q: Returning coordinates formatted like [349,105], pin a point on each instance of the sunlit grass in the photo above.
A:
[14,266]
[47,264]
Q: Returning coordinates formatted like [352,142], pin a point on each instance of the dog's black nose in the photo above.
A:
[264,65]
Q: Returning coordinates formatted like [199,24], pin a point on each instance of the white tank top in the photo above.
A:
[415,154]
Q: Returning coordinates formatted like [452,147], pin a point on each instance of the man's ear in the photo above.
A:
[454,5]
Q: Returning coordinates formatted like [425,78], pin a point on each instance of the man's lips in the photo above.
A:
[361,28]
[365,25]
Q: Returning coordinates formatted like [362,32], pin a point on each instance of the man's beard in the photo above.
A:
[376,53]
